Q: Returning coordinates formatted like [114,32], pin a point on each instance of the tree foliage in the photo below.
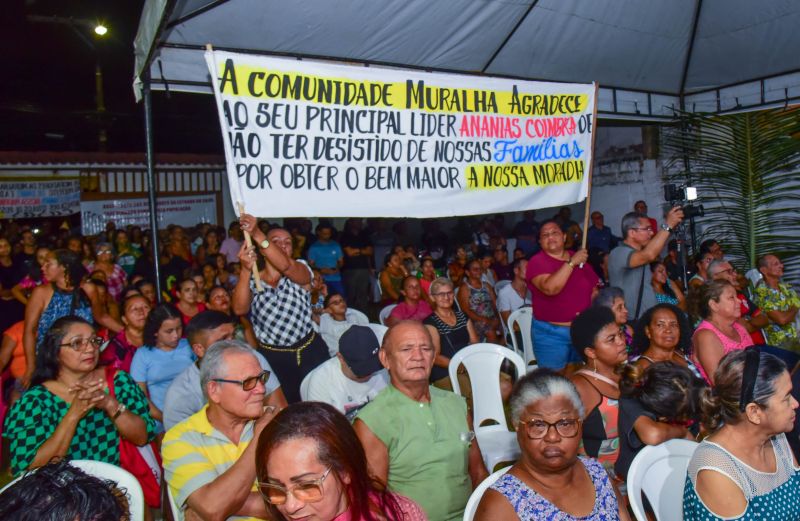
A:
[746,168]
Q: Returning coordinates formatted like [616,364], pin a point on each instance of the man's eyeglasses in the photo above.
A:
[305,491]
[646,229]
[248,384]
[76,344]
[565,427]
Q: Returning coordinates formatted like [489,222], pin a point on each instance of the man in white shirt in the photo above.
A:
[352,378]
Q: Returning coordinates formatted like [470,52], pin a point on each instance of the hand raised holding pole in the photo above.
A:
[249,242]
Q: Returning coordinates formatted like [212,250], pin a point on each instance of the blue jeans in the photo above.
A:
[335,286]
[552,345]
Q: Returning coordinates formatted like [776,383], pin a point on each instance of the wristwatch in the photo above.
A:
[264,244]
[665,227]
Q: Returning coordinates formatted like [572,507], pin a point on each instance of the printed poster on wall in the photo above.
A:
[307,138]
[183,210]
[22,199]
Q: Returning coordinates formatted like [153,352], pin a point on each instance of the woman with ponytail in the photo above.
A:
[68,293]
[600,342]
[745,468]
[657,404]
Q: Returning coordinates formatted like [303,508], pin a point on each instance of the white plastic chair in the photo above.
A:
[477,494]
[482,362]
[755,278]
[356,317]
[122,478]
[385,312]
[523,318]
[379,330]
[659,471]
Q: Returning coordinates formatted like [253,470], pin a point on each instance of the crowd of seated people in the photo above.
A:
[224,377]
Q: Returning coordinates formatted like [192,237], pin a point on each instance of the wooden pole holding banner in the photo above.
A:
[249,241]
[591,171]
[247,238]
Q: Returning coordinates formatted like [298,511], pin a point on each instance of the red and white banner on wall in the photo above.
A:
[24,199]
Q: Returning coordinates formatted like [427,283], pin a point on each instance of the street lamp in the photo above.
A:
[79,26]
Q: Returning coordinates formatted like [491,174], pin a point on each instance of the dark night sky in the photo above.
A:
[47,95]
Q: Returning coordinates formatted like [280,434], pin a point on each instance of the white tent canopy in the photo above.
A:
[648,56]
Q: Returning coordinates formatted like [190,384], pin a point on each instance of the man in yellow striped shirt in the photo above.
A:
[209,462]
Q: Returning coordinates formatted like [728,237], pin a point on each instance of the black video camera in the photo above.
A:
[680,195]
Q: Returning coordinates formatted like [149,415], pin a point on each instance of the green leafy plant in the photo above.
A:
[746,168]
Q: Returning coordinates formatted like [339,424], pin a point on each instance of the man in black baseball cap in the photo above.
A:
[349,380]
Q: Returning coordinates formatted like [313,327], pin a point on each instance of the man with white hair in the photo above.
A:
[209,460]
[628,263]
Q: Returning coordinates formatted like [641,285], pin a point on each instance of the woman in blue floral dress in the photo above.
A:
[550,481]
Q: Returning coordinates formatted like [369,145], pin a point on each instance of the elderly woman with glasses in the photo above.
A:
[745,468]
[69,410]
[310,465]
[450,329]
[550,480]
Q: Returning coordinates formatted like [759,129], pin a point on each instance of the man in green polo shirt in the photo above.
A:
[417,437]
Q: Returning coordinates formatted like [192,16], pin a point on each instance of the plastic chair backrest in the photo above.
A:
[754,277]
[659,471]
[477,494]
[482,362]
[356,317]
[379,330]
[122,477]
[385,312]
[523,318]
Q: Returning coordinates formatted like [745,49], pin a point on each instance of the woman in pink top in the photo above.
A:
[310,465]
[719,333]
[413,306]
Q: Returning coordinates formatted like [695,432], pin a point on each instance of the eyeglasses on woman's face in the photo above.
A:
[537,428]
[443,294]
[248,384]
[309,491]
[76,344]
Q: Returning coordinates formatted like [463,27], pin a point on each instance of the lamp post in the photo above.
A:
[80,27]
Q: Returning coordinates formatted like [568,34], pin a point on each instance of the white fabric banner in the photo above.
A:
[313,139]
[183,210]
[39,198]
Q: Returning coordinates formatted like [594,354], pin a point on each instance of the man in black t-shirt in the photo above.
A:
[357,250]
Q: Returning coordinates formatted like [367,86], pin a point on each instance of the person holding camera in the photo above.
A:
[628,263]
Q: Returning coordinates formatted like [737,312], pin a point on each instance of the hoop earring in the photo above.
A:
[595,364]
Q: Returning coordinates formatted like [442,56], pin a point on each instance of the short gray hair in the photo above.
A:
[630,221]
[441,281]
[714,266]
[539,385]
[606,296]
[213,363]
